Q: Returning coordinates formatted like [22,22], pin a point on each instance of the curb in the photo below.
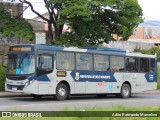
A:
[11,94]
[151,92]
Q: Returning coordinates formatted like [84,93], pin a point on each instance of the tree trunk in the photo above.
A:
[20,40]
[50,34]
[58,31]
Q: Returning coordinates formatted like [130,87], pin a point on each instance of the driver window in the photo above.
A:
[45,64]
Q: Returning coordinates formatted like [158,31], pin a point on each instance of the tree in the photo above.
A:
[53,17]
[91,21]
[14,26]
[122,17]
[20,28]
[5,16]
[106,17]
[56,20]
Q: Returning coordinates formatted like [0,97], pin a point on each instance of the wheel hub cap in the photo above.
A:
[62,92]
[126,91]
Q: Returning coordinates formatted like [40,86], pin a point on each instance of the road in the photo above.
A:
[76,102]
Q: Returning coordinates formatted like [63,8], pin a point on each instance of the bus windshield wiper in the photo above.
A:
[14,60]
[22,60]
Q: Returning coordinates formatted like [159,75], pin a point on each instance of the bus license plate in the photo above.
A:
[14,88]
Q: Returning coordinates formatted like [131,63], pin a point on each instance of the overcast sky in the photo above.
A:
[151,9]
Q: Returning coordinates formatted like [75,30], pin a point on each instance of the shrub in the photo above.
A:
[158,82]
[151,51]
[2,77]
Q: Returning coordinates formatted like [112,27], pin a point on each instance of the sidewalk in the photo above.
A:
[150,92]
[10,94]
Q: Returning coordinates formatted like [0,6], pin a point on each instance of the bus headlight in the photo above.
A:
[29,82]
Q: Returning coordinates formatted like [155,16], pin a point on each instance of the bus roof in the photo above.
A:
[98,50]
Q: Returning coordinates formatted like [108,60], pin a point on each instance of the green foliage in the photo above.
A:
[14,27]
[19,28]
[158,86]
[4,16]
[151,51]
[2,77]
[93,21]
[73,39]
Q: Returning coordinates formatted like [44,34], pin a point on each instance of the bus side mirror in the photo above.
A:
[4,60]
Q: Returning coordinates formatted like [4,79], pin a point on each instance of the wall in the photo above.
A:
[130,46]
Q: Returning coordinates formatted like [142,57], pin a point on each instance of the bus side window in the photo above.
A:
[65,61]
[101,63]
[83,61]
[117,63]
[152,65]
[144,65]
[131,64]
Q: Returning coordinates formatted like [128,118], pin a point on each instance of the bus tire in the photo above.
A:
[125,91]
[61,92]
[36,96]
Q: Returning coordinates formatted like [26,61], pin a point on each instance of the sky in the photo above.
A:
[151,9]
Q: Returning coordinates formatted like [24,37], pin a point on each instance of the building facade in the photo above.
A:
[147,32]
[14,7]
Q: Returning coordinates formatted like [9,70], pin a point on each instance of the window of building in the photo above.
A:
[131,64]
[117,63]
[101,63]
[144,65]
[83,61]
[65,61]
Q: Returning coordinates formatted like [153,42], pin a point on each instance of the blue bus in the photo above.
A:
[60,71]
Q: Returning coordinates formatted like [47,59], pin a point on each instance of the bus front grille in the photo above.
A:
[15,87]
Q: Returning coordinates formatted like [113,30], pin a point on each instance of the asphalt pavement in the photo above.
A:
[12,94]
[48,103]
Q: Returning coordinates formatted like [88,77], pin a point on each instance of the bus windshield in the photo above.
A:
[21,64]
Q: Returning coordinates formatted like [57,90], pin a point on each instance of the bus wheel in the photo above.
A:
[125,91]
[61,92]
[36,96]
